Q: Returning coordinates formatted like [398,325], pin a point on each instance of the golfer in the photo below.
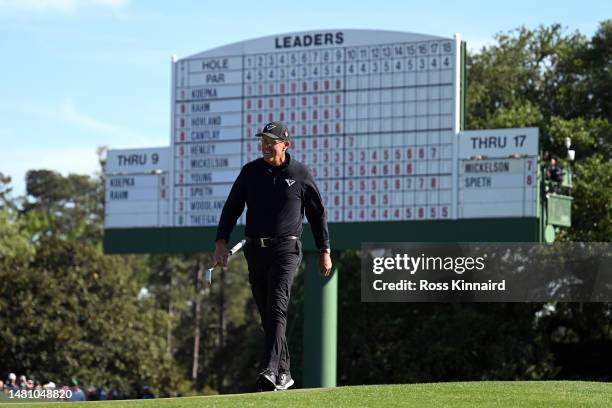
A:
[277,191]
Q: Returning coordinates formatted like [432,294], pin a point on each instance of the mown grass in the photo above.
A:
[461,394]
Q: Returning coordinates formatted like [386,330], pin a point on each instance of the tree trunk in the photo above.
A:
[221,373]
[198,318]
[170,316]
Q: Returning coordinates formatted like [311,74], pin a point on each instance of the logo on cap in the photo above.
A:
[270,126]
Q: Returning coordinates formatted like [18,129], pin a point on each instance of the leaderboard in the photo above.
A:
[374,114]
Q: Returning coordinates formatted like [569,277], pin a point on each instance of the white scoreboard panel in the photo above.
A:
[374,114]
[498,173]
[137,191]
[498,188]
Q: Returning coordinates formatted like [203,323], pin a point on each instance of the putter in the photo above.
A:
[235,248]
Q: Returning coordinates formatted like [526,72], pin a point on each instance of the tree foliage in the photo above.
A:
[66,309]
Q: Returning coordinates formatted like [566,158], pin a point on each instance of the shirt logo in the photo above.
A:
[290,182]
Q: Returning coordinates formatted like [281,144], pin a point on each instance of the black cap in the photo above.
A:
[275,130]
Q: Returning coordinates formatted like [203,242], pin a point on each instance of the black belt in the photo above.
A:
[264,242]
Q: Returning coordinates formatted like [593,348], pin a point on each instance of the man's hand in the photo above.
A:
[221,253]
[325,264]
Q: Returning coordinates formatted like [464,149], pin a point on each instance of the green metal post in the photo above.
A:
[320,325]
[463,86]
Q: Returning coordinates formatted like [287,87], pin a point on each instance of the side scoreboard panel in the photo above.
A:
[137,191]
[498,173]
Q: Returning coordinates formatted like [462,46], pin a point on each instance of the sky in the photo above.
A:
[79,74]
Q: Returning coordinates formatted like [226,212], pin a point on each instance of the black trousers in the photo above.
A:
[271,273]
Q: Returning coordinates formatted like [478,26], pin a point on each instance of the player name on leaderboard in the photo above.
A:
[372,113]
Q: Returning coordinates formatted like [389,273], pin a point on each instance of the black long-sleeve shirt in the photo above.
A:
[276,198]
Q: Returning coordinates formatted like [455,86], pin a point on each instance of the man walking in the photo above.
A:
[277,191]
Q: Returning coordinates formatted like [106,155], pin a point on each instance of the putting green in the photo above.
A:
[460,394]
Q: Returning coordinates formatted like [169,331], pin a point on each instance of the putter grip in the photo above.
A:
[236,248]
[208,276]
